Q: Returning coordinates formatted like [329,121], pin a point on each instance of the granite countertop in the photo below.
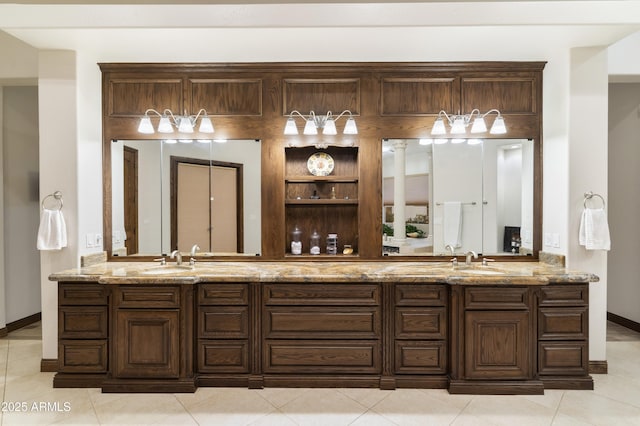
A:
[515,273]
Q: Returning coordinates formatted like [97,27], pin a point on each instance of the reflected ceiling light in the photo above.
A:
[220,140]
[425,141]
[168,122]
[459,123]
[185,140]
[458,140]
[314,122]
[170,141]
[440,141]
[474,141]
[204,140]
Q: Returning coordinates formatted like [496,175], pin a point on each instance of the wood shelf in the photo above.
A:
[323,202]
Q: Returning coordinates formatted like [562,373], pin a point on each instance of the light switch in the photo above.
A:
[90,240]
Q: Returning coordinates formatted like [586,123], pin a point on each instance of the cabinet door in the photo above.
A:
[147,344]
[497,345]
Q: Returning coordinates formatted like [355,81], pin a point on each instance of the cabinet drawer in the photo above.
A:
[496,297]
[322,294]
[564,295]
[148,297]
[563,323]
[421,323]
[223,294]
[421,295]
[220,322]
[82,322]
[415,357]
[322,322]
[82,294]
[223,356]
[563,358]
[327,356]
[82,356]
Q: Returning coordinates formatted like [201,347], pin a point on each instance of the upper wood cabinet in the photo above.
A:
[389,100]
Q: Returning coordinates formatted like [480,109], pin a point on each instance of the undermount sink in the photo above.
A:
[167,269]
[478,271]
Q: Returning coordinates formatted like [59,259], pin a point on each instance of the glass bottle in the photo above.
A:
[315,243]
[296,242]
[332,244]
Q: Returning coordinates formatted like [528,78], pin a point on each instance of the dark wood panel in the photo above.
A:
[148,297]
[497,345]
[220,322]
[510,95]
[82,294]
[563,358]
[147,344]
[82,356]
[345,160]
[563,323]
[564,295]
[421,295]
[83,322]
[417,96]
[132,97]
[223,356]
[239,97]
[337,219]
[223,294]
[322,322]
[496,297]
[418,357]
[421,323]
[328,356]
[321,294]
[321,95]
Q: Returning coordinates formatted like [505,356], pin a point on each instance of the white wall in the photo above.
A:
[588,172]
[21,202]
[57,88]
[624,200]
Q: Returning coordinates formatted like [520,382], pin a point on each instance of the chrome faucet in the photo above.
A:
[178,256]
[454,261]
[469,254]
[192,259]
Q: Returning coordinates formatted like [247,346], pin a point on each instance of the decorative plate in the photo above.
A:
[320,164]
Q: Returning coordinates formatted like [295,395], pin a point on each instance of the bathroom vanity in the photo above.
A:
[516,328]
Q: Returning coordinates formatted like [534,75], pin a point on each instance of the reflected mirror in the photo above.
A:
[169,195]
[470,194]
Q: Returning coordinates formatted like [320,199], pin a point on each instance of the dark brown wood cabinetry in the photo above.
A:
[500,339]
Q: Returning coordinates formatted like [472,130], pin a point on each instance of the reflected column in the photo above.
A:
[399,217]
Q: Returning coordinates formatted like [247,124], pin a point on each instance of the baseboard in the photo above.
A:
[31,319]
[49,366]
[598,367]
[631,325]
[4,332]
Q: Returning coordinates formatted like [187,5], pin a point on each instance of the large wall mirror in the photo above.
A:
[171,194]
[469,194]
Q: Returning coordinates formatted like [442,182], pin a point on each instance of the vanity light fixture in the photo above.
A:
[326,123]
[459,123]
[168,121]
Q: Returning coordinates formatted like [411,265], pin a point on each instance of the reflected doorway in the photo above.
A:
[130,190]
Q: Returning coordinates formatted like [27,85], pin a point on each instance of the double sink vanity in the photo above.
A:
[507,328]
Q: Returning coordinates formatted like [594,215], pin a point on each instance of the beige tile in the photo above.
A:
[372,419]
[562,420]
[29,387]
[323,407]
[366,397]
[69,406]
[275,418]
[589,407]
[281,396]
[229,406]
[506,410]
[415,407]
[128,409]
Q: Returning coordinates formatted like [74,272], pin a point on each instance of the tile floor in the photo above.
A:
[29,398]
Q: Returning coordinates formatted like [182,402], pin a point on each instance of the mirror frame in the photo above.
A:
[253,101]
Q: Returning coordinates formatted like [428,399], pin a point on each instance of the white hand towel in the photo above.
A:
[594,230]
[452,214]
[52,233]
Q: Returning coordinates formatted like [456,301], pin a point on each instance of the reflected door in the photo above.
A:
[130,192]
[193,212]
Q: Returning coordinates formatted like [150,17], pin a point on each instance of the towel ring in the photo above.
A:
[589,195]
[56,195]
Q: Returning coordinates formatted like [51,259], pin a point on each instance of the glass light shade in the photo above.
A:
[458,140]
[310,128]
[170,141]
[479,126]
[206,126]
[350,127]
[498,127]
[425,141]
[290,128]
[329,127]
[438,127]
[145,126]
[185,125]
[458,126]
[165,125]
